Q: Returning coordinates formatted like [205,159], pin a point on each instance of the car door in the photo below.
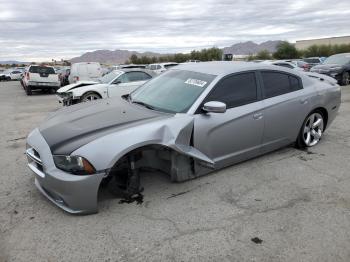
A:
[286,105]
[235,135]
[127,82]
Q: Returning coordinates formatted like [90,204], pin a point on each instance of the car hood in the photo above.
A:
[75,85]
[326,67]
[72,127]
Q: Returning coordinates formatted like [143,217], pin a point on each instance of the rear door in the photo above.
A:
[286,105]
[127,82]
[43,74]
[94,71]
[237,134]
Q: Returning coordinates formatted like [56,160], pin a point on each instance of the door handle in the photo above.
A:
[303,101]
[258,116]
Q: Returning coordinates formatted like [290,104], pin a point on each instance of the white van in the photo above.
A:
[87,71]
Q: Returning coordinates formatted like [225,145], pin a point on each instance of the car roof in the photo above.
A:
[222,68]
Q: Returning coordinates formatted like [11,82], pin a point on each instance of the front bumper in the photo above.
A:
[67,100]
[74,194]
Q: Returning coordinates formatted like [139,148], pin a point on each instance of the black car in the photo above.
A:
[336,66]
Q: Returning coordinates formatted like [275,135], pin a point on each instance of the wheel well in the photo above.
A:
[324,113]
[155,151]
[92,92]
[177,166]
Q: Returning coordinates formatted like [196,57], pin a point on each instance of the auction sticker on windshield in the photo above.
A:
[195,82]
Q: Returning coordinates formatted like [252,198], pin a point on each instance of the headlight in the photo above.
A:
[76,165]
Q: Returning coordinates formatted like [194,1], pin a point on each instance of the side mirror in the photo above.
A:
[117,82]
[214,107]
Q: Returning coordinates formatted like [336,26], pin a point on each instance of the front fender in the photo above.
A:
[174,132]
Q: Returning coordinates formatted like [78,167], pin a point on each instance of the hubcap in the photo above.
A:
[313,129]
[91,98]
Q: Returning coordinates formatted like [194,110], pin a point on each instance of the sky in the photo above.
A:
[41,30]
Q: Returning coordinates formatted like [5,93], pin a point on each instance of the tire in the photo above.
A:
[345,79]
[311,131]
[8,78]
[29,91]
[90,96]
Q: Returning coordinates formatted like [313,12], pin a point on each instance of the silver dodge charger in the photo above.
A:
[187,122]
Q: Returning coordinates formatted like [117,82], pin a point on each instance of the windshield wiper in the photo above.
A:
[142,104]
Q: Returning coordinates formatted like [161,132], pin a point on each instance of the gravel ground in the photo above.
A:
[288,205]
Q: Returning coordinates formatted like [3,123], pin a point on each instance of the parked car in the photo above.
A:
[117,82]
[187,122]
[336,66]
[283,63]
[63,75]
[312,61]
[11,74]
[40,77]
[161,67]
[89,71]
[301,64]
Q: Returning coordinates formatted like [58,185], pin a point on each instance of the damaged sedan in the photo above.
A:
[187,122]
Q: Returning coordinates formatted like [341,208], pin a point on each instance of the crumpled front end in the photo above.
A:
[74,194]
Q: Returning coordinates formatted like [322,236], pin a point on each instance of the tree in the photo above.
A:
[263,55]
[134,59]
[286,50]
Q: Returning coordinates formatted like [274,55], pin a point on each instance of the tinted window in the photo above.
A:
[41,70]
[235,90]
[278,83]
[134,76]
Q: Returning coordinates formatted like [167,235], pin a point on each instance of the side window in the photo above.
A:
[153,67]
[134,76]
[236,90]
[276,84]
[158,67]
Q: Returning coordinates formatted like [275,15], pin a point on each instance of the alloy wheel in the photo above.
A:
[91,97]
[313,129]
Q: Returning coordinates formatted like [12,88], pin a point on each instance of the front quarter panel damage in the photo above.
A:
[174,132]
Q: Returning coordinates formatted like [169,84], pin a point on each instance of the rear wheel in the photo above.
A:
[311,131]
[345,79]
[90,96]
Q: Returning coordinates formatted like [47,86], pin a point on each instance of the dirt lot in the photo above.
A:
[296,202]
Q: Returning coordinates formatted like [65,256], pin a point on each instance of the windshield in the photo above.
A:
[174,91]
[341,59]
[106,79]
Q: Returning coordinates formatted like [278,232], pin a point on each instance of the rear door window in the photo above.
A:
[41,70]
[236,90]
[276,84]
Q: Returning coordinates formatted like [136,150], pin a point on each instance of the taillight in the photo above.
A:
[76,78]
[28,77]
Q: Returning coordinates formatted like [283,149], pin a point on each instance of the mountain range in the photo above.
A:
[121,56]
